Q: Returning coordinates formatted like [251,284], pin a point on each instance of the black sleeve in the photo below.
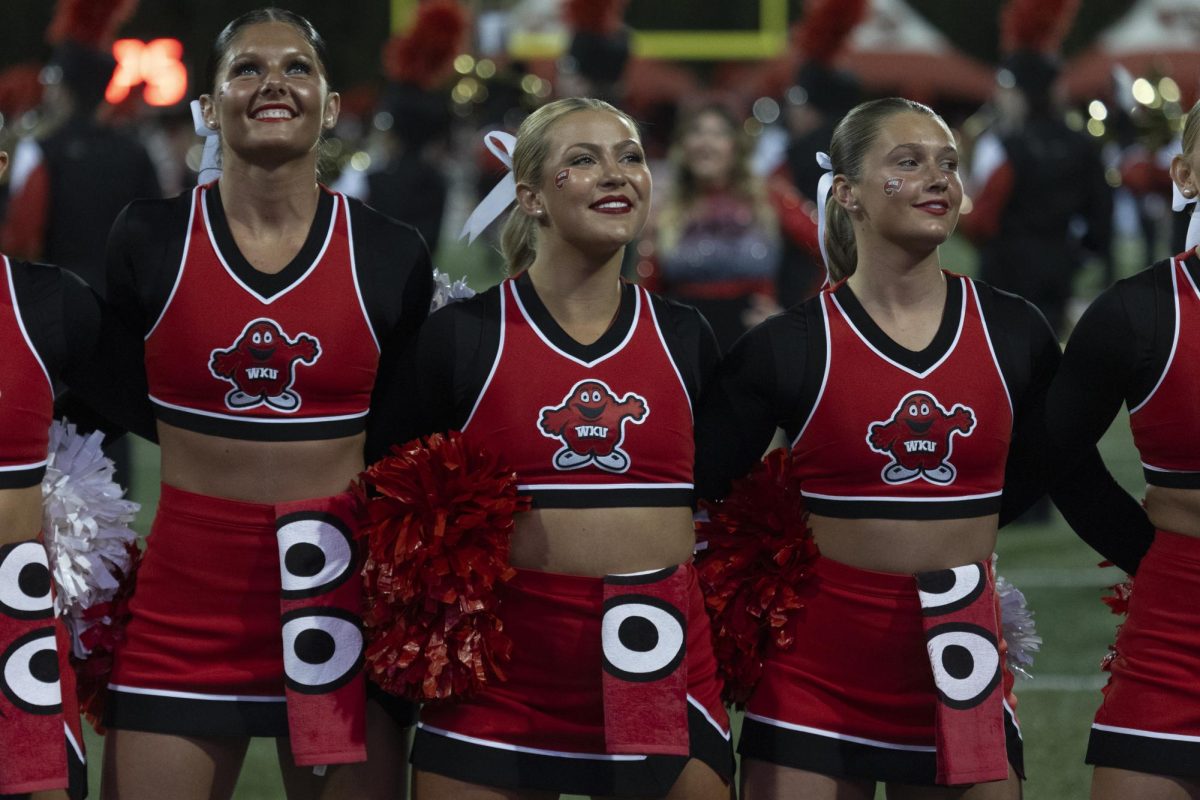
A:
[758,386]
[59,312]
[444,370]
[1113,356]
[396,278]
[691,342]
[144,250]
[1094,505]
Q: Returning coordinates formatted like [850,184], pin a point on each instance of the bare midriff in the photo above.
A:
[602,541]
[905,545]
[256,471]
[1175,510]
[20,514]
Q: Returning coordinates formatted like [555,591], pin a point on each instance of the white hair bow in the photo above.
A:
[502,195]
[209,170]
[824,187]
[1178,203]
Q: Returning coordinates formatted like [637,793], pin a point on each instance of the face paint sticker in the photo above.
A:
[560,180]
[892,185]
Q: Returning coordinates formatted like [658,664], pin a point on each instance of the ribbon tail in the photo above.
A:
[209,170]
[499,198]
[1193,232]
[823,187]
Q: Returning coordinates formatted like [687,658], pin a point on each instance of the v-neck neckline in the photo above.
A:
[555,335]
[265,284]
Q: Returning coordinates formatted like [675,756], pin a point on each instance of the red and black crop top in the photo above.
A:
[226,359]
[607,424]
[1166,424]
[26,395]
[888,440]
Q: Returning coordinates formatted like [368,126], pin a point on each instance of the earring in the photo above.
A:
[1188,192]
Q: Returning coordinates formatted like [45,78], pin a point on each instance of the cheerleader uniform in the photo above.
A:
[584,426]
[1139,343]
[233,352]
[880,432]
[48,326]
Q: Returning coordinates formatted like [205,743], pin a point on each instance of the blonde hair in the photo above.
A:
[1191,129]
[743,183]
[852,138]
[518,239]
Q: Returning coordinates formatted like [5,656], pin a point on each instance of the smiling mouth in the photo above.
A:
[261,355]
[612,207]
[274,114]
[590,413]
[918,427]
[938,209]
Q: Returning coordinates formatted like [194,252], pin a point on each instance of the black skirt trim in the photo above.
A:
[503,767]
[22,478]
[842,758]
[183,716]
[1148,753]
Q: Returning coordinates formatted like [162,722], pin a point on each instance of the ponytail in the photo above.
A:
[518,241]
[840,249]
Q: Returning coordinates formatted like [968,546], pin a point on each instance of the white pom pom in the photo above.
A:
[85,525]
[445,292]
[1019,629]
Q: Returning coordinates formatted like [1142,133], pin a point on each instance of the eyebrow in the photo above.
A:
[915,146]
[592,146]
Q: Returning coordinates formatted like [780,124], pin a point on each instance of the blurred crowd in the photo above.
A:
[1052,184]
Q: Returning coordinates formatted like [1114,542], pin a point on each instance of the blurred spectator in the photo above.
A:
[716,241]
[1044,200]
[86,171]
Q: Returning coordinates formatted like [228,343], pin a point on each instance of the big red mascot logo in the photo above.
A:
[590,423]
[261,365]
[919,439]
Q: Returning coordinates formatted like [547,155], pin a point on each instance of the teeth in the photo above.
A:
[613,204]
[273,113]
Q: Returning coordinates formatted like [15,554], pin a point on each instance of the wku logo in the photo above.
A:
[261,365]
[590,423]
[918,438]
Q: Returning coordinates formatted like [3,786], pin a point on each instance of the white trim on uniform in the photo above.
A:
[187,244]
[666,350]
[269,420]
[577,487]
[825,375]
[725,732]
[362,305]
[16,307]
[255,698]
[865,498]
[283,292]
[1174,737]
[637,308]
[1174,337]
[987,337]
[462,737]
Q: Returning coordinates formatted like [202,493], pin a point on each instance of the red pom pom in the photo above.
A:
[602,17]
[425,53]
[437,525]
[20,89]
[102,638]
[826,26]
[1118,603]
[759,553]
[88,22]
[1037,25]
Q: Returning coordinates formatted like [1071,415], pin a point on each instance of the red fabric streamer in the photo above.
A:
[91,673]
[1118,603]
[826,26]
[1039,25]
[759,551]
[603,17]
[89,22]
[424,54]
[438,521]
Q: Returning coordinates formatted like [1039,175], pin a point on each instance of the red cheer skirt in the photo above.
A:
[854,697]
[544,727]
[1149,720]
